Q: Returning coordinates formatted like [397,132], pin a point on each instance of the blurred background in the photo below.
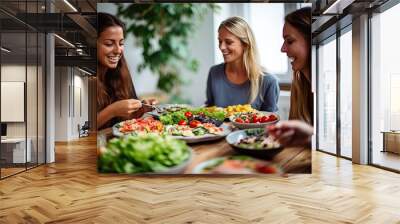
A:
[174,66]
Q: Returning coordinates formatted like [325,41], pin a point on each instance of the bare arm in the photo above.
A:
[104,116]
[123,108]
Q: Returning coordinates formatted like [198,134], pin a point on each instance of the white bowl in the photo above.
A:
[253,125]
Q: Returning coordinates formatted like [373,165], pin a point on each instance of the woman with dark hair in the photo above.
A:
[297,46]
[116,96]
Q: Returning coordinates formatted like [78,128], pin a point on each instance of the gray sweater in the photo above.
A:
[222,93]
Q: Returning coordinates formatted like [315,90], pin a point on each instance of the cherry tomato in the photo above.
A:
[272,117]
[255,119]
[264,119]
[188,114]
[182,122]
[239,120]
[194,123]
[266,169]
[247,120]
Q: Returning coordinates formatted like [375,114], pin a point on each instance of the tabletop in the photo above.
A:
[291,160]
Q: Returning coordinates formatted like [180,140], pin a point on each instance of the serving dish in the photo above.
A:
[254,142]
[236,165]
[248,120]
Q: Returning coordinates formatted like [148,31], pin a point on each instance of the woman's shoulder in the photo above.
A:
[217,69]
[268,78]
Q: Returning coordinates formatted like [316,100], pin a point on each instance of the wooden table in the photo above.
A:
[292,160]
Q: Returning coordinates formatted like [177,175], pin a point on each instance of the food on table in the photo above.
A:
[203,115]
[254,118]
[195,128]
[141,125]
[258,142]
[214,109]
[239,165]
[231,110]
[186,123]
[163,109]
[142,154]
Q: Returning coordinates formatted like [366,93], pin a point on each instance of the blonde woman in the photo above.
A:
[240,79]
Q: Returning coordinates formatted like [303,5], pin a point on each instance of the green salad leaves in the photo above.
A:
[141,154]
[175,117]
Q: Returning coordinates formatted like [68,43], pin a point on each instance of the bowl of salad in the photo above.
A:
[144,154]
[253,119]
[254,142]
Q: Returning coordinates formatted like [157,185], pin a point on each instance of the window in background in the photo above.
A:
[346,94]
[269,36]
[385,86]
[327,96]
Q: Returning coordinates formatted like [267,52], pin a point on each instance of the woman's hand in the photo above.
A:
[125,108]
[151,101]
[147,102]
[291,133]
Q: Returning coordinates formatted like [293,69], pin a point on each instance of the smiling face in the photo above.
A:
[296,48]
[230,45]
[110,46]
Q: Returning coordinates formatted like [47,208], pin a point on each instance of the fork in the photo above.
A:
[159,110]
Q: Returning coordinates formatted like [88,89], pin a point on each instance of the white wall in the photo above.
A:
[67,115]
[34,124]
[201,48]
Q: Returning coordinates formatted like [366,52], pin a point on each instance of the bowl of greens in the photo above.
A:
[144,154]
[254,142]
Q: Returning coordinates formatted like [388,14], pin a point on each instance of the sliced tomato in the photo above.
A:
[255,119]
[272,117]
[266,169]
[188,114]
[182,122]
[239,120]
[264,119]
[194,123]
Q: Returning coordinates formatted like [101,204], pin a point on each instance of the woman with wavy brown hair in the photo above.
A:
[116,96]
[297,46]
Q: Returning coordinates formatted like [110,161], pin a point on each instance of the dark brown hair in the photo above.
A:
[301,99]
[112,84]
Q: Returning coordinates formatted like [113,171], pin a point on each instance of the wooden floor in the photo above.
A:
[386,159]
[71,191]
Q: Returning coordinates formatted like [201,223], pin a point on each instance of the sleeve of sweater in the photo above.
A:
[209,93]
[271,94]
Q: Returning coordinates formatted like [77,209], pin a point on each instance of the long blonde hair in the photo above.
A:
[239,27]
[301,97]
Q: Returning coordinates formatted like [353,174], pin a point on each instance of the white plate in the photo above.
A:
[199,169]
[195,139]
[206,137]
[157,114]
[116,132]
